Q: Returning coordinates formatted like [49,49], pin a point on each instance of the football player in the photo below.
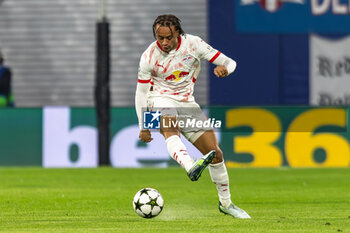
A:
[167,74]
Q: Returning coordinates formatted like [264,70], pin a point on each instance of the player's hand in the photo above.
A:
[221,71]
[145,135]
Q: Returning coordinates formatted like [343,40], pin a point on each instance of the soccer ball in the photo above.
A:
[148,203]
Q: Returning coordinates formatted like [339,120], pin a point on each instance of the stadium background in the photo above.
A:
[50,46]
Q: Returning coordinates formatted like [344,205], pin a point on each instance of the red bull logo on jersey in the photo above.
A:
[270,5]
[176,76]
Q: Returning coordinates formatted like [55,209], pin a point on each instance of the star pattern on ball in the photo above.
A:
[146,200]
[153,202]
[138,205]
[149,215]
[143,191]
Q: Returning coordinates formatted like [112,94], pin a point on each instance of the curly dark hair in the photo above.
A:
[167,21]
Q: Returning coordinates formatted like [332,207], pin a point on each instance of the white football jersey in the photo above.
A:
[174,74]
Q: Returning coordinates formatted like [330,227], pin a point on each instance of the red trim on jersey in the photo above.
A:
[194,80]
[159,46]
[178,46]
[151,83]
[215,56]
[143,81]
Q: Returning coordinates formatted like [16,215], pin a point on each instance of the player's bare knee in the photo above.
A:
[219,156]
[169,126]
[169,134]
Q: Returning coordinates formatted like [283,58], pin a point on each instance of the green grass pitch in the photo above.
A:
[100,200]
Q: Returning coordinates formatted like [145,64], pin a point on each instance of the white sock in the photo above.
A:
[177,150]
[220,178]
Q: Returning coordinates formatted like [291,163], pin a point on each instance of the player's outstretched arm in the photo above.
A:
[141,103]
[225,66]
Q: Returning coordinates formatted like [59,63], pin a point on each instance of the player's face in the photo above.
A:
[167,38]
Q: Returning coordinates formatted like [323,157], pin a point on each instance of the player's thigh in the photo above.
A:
[197,134]
[208,142]
[167,108]
[190,114]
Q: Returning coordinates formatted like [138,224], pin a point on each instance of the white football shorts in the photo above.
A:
[187,112]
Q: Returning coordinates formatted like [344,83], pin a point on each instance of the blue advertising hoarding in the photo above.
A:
[272,67]
[256,78]
[292,16]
